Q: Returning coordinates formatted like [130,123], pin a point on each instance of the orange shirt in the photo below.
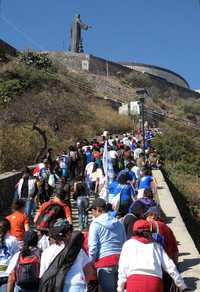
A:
[18,220]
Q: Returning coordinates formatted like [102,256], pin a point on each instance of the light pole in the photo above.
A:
[142,123]
[142,92]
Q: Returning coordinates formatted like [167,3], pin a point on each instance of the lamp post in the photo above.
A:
[142,92]
[142,122]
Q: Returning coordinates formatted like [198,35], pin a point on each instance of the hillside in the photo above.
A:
[43,105]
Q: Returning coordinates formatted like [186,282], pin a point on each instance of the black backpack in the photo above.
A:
[53,278]
[28,270]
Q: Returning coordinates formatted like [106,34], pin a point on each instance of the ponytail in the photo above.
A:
[26,250]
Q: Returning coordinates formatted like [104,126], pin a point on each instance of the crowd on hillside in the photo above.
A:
[127,246]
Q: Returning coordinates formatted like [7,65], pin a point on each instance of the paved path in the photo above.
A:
[189,256]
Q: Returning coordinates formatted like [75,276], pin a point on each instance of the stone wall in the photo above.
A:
[72,61]
[101,67]
[106,68]
[7,189]
[89,63]
[189,258]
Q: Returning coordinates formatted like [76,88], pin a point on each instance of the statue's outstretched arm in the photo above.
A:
[83,25]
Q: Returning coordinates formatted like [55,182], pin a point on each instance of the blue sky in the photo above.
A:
[160,32]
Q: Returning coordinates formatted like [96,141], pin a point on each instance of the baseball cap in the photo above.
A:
[98,203]
[141,225]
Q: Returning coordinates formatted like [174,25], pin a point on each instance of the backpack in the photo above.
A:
[156,236]
[28,270]
[53,278]
[49,216]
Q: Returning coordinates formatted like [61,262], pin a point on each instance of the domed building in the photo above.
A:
[159,72]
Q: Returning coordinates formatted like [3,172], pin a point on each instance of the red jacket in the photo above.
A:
[52,202]
[170,246]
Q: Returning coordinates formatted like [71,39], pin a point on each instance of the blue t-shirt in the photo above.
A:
[111,190]
[131,174]
[145,182]
[126,192]
[89,157]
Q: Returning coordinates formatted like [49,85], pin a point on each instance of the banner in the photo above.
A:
[107,164]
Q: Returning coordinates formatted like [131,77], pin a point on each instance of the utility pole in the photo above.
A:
[142,124]
[143,92]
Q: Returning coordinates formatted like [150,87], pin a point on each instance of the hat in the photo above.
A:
[137,209]
[60,228]
[31,238]
[141,225]
[98,203]
[155,210]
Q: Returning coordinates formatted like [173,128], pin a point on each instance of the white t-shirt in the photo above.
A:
[126,141]
[136,170]
[110,141]
[43,243]
[113,154]
[137,152]
[6,253]
[98,174]
[76,275]
[48,256]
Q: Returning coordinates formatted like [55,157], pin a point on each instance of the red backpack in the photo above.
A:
[28,270]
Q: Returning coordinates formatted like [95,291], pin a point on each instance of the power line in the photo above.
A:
[26,36]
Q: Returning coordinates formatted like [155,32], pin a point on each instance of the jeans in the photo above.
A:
[18,289]
[29,208]
[108,278]
[82,204]
[83,219]
[75,288]
[3,287]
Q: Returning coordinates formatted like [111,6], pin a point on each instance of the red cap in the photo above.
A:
[141,225]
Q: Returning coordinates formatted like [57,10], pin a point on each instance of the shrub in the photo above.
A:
[39,60]
[10,88]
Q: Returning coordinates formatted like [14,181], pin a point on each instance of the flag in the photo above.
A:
[37,169]
[107,164]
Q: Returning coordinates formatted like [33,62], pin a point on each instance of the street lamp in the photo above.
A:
[142,92]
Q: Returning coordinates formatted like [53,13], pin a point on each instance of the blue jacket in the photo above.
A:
[106,236]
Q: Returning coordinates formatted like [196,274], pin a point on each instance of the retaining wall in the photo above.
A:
[189,257]
[7,189]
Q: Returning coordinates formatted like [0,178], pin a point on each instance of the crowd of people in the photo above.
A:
[127,246]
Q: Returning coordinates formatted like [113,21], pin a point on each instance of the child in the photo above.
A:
[18,220]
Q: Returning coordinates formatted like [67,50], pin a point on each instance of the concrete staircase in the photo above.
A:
[75,212]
